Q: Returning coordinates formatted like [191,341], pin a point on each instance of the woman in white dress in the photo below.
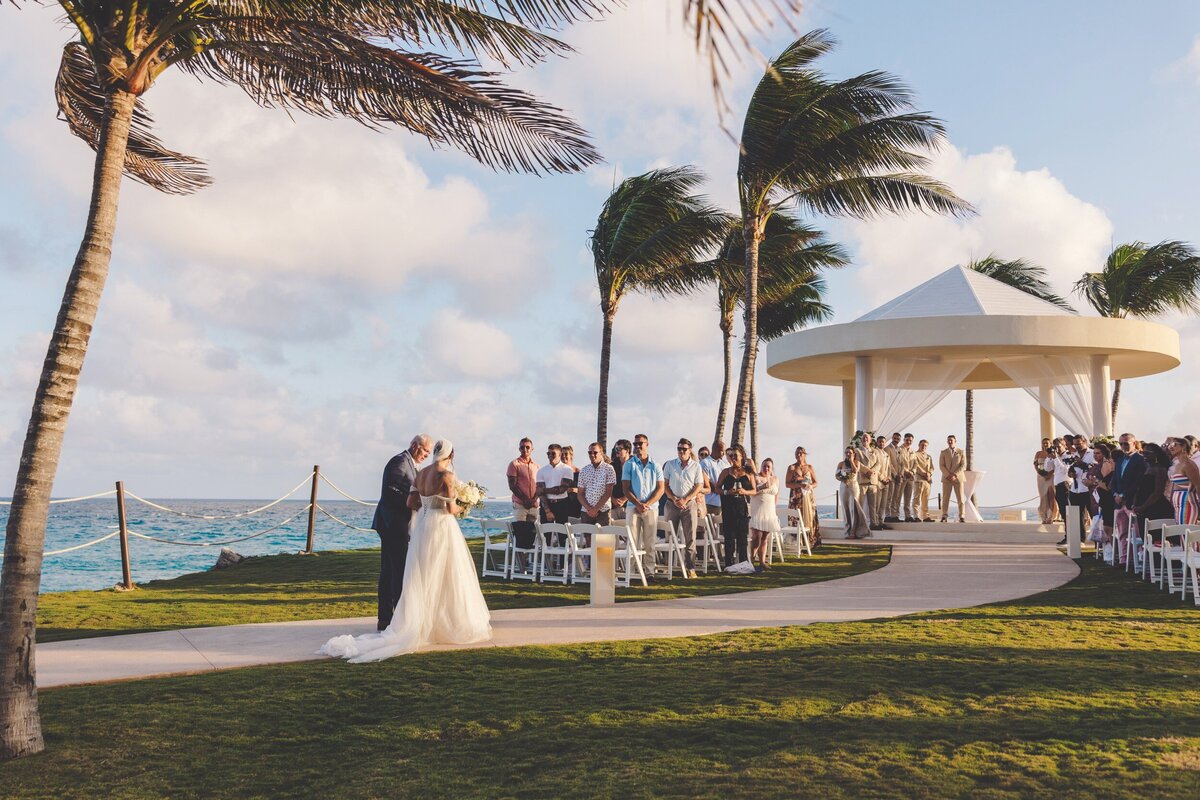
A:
[441,602]
[764,519]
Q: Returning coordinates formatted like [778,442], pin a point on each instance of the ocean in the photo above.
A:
[99,566]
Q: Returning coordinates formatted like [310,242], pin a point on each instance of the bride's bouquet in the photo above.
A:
[468,497]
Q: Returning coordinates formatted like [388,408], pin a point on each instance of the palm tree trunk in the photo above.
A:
[750,338]
[970,423]
[753,425]
[723,407]
[1116,400]
[20,724]
[605,360]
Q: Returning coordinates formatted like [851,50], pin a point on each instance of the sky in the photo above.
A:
[339,289]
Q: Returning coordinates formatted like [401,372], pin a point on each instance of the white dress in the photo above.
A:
[763,516]
[441,602]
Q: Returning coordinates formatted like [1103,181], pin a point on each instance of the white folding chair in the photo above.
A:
[524,562]
[708,543]
[582,537]
[1133,545]
[804,537]
[495,560]
[1191,566]
[627,556]
[1174,552]
[554,562]
[1151,571]
[667,542]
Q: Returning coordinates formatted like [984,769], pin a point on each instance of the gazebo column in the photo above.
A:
[1101,418]
[849,420]
[1047,408]
[864,392]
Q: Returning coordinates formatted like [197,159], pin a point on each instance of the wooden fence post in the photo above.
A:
[312,510]
[126,576]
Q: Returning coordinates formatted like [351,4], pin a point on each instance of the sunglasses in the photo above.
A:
[683,449]
[640,444]
[594,452]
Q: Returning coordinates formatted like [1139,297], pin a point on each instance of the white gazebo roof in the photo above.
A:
[963,292]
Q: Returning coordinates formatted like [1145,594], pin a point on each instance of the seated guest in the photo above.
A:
[597,479]
[554,484]
[620,454]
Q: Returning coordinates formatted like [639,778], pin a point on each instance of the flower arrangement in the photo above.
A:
[1111,441]
[843,474]
[468,497]
[862,439]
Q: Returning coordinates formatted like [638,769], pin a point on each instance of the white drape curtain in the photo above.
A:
[905,389]
[1061,384]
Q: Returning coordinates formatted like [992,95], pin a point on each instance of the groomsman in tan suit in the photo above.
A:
[895,479]
[908,460]
[922,477]
[953,465]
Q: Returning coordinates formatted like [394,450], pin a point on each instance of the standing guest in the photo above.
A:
[392,518]
[849,496]
[1060,469]
[907,477]
[702,508]
[1131,464]
[713,465]
[554,484]
[573,504]
[1151,500]
[643,482]
[801,481]
[764,518]
[522,482]
[684,489]
[922,479]
[1045,484]
[597,479]
[953,465]
[1099,478]
[620,454]
[892,488]
[737,486]
[1185,481]
[1079,461]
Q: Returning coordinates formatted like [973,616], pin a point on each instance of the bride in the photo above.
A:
[441,602]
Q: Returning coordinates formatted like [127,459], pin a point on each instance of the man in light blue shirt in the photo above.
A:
[713,465]
[684,484]
[642,480]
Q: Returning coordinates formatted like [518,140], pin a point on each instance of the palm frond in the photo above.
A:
[869,196]
[1144,280]
[798,308]
[315,68]
[81,105]
[1020,274]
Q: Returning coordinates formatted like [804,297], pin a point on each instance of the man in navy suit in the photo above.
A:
[1127,477]
[392,517]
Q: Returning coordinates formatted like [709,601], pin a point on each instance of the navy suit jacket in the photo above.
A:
[1128,475]
[393,515]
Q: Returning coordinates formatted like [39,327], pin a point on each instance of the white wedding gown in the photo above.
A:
[441,602]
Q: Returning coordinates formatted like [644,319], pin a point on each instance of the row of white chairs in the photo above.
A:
[1163,553]
[561,552]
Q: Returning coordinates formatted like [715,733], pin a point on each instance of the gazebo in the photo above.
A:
[964,330]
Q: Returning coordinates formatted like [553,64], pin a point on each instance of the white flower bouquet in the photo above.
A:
[468,497]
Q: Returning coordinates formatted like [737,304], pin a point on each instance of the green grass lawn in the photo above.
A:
[1090,690]
[342,584]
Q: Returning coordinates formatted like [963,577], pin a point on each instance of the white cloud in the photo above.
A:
[453,345]
[1189,65]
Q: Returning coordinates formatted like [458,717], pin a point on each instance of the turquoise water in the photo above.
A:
[99,566]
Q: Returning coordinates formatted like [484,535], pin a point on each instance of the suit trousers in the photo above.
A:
[872,502]
[643,529]
[947,487]
[685,521]
[922,500]
[895,489]
[393,553]
[906,499]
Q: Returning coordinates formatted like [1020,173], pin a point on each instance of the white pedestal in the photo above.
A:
[971,480]
[604,569]
[1073,544]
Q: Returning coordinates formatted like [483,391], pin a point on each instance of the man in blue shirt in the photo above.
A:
[642,480]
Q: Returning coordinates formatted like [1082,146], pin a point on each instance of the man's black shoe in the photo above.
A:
[885,527]
[1061,542]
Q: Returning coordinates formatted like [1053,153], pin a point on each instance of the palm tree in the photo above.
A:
[842,148]
[650,236]
[1019,274]
[1140,280]
[360,60]
[790,257]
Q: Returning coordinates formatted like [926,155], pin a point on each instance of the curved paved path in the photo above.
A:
[920,577]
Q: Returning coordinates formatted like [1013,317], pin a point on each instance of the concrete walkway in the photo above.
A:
[920,577]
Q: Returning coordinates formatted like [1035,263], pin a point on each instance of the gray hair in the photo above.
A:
[423,439]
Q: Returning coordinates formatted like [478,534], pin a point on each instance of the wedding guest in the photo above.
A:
[849,491]
[554,483]
[702,508]
[1185,481]
[801,482]
[642,480]
[1079,461]
[1130,466]
[922,479]
[1099,478]
[713,464]
[764,518]
[573,504]
[1045,484]
[953,465]
[620,454]
[1153,490]
[1058,464]
[684,490]
[522,482]
[736,485]
[596,481]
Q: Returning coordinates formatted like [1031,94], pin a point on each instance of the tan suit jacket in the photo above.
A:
[875,460]
[953,462]
[908,462]
[895,460]
[923,466]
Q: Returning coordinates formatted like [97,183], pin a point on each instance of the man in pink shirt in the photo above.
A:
[522,481]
